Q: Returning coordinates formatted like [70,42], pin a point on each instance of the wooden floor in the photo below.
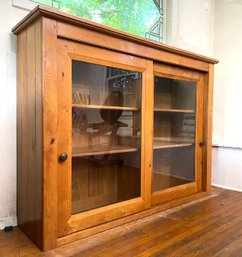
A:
[207,227]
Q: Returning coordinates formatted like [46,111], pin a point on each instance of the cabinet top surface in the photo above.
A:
[42,11]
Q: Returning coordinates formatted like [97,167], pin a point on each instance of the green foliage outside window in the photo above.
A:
[134,16]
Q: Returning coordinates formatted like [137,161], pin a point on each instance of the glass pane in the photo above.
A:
[174,133]
[173,167]
[106,131]
[101,85]
[141,17]
[104,179]
[175,94]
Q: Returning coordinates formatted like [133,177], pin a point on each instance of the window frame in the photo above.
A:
[27,5]
[30,5]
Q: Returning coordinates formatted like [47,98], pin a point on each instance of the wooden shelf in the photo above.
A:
[173,110]
[158,144]
[162,181]
[93,106]
[101,149]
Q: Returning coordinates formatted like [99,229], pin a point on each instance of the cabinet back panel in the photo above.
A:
[99,181]
[92,186]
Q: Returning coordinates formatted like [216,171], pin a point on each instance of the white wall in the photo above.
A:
[227,168]
[227,162]
[9,16]
[212,27]
[189,25]
[228,79]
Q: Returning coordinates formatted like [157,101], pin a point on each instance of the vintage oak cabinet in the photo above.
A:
[111,127]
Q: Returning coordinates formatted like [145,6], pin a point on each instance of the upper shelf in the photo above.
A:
[126,108]
[101,149]
[108,107]
[173,110]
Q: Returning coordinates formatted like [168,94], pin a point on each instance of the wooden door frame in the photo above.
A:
[173,72]
[68,51]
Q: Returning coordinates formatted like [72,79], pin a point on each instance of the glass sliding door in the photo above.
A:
[174,142]
[101,164]
[106,129]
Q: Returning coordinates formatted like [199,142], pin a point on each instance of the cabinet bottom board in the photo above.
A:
[115,223]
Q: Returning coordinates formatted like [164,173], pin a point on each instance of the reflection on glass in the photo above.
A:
[174,133]
[175,94]
[101,131]
[101,180]
[173,167]
[105,135]
[106,86]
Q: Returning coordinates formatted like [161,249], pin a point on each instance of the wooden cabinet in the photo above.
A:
[111,127]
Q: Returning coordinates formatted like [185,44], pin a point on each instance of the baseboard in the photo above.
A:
[8,221]
[226,187]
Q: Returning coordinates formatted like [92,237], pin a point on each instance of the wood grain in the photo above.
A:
[64,136]
[108,225]
[208,227]
[175,72]
[147,133]
[93,185]
[39,129]
[48,42]
[104,214]
[126,46]
[92,106]
[199,132]
[30,181]
[158,144]
[208,128]
[172,110]
[173,193]
[102,149]
[49,134]
[66,20]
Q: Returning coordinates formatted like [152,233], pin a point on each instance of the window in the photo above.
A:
[140,17]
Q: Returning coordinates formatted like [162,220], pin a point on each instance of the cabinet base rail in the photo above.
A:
[133,217]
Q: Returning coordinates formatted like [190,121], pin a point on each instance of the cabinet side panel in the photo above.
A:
[21,118]
[39,131]
[49,134]
[30,133]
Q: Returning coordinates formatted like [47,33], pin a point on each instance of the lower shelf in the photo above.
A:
[162,181]
[128,144]
[158,144]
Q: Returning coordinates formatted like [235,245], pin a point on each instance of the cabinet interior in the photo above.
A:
[110,127]
[106,118]
[174,133]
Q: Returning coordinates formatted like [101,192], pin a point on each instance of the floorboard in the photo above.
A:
[211,226]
